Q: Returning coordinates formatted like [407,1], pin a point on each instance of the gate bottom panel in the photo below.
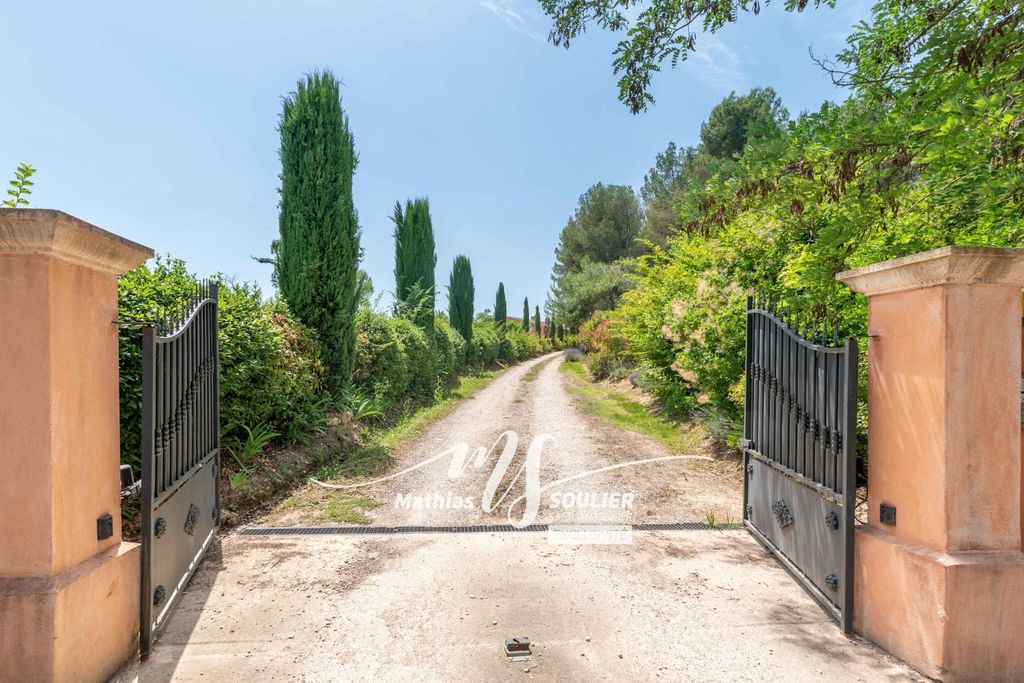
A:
[803,525]
[183,526]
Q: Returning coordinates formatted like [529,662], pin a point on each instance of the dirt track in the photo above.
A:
[688,606]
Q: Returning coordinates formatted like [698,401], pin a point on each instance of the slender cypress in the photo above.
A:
[500,307]
[460,297]
[526,314]
[317,254]
[415,259]
[536,320]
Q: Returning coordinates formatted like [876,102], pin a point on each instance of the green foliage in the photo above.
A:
[244,448]
[359,404]
[929,151]
[382,368]
[450,349]
[317,255]
[526,314]
[603,230]
[500,306]
[518,344]
[460,298]
[271,373]
[420,360]
[415,260]
[19,187]
[733,123]
[663,30]
[739,119]
[606,346]
[536,321]
[486,343]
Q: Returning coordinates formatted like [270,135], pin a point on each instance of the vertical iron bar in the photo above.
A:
[826,430]
[747,399]
[148,449]
[214,294]
[746,370]
[772,374]
[849,450]
[813,469]
[836,394]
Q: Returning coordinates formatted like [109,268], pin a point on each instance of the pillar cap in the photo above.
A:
[943,266]
[62,236]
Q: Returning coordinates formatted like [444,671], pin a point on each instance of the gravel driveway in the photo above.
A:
[705,605]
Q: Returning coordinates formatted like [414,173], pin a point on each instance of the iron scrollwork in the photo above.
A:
[782,513]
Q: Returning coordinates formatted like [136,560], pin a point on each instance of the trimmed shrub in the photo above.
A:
[486,344]
[419,356]
[450,350]
[382,367]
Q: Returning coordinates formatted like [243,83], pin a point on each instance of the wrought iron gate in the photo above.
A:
[180,453]
[800,452]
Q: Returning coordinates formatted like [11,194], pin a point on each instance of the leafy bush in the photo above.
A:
[382,367]
[518,345]
[606,346]
[486,343]
[419,356]
[271,373]
[450,350]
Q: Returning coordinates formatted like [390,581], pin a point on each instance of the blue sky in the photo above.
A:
[158,120]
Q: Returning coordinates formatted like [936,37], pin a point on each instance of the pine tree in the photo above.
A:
[317,254]
[415,259]
[526,314]
[536,320]
[460,297]
[500,307]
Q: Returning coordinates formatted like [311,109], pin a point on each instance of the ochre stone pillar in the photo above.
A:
[943,587]
[68,598]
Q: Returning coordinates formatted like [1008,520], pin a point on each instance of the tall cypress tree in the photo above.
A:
[317,254]
[526,314]
[536,320]
[500,307]
[460,297]
[415,260]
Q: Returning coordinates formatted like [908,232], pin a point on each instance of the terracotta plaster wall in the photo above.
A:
[78,626]
[956,617]
[983,465]
[908,621]
[59,433]
[85,437]
[906,416]
[26,514]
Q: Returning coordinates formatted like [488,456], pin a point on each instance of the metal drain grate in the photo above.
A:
[481,528]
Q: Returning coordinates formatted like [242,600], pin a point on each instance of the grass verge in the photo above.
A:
[373,458]
[619,406]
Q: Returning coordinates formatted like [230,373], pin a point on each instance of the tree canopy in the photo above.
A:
[603,230]
[664,30]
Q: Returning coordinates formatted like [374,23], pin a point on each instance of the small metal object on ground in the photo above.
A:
[518,649]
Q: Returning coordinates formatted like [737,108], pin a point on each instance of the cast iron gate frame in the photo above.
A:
[180,453]
[799,439]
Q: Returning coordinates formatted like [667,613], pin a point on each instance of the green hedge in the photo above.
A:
[271,371]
